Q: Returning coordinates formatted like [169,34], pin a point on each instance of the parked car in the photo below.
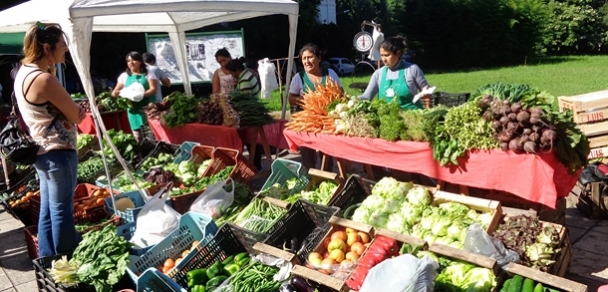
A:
[342,65]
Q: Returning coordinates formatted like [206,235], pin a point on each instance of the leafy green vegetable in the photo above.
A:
[84,140]
[182,109]
[101,258]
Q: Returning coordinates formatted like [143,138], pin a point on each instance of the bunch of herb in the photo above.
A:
[107,103]
[421,124]
[391,127]
[125,143]
[251,110]
[182,109]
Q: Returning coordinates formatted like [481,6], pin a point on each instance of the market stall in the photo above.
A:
[540,178]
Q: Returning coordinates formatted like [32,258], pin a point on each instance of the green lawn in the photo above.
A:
[557,75]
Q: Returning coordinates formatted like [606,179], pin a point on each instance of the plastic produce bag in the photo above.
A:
[213,200]
[156,220]
[478,241]
[403,273]
[134,92]
[268,79]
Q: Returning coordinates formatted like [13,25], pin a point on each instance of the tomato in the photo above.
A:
[169,263]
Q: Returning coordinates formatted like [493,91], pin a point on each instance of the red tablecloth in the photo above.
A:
[112,120]
[274,134]
[218,136]
[539,178]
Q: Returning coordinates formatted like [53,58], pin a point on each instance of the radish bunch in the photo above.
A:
[517,129]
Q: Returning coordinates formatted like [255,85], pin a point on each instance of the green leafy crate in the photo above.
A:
[45,281]
[229,240]
[303,220]
[185,151]
[449,99]
[154,280]
[284,170]
[355,190]
[192,226]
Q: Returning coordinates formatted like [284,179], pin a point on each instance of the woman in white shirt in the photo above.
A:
[222,82]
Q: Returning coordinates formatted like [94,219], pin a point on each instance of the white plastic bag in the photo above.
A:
[134,92]
[403,273]
[156,220]
[268,78]
[478,241]
[213,200]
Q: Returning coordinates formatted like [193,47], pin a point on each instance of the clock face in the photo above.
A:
[363,42]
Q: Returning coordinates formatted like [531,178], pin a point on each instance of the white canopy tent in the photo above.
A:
[79,18]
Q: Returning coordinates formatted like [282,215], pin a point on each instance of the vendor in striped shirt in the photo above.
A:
[247,80]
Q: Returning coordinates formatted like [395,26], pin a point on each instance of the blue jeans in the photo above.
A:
[56,228]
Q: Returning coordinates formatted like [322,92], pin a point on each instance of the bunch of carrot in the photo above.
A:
[314,118]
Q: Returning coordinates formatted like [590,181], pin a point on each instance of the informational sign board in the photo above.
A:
[200,49]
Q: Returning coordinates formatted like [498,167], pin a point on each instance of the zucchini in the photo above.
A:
[505,285]
[538,288]
[528,285]
[547,289]
[516,284]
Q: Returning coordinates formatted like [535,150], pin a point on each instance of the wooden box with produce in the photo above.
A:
[522,278]
[541,245]
[336,256]
[219,259]
[411,209]
[321,188]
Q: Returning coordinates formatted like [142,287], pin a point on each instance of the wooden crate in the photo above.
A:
[588,107]
[479,204]
[337,223]
[260,247]
[545,278]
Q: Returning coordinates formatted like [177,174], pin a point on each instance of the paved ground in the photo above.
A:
[589,264]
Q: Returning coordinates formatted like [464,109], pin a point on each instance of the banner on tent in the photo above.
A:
[200,50]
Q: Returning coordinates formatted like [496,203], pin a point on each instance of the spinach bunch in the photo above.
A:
[101,257]
[125,143]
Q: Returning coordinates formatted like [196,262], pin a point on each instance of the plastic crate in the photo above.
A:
[185,151]
[450,99]
[46,283]
[243,170]
[31,241]
[21,211]
[160,147]
[303,220]
[127,231]
[201,153]
[192,226]
[225,243]
[355,190]
[152,280]
[129,215]
[82,192]
[284,170]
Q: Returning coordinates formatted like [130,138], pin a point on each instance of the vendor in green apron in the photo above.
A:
[397,80]
[137,73]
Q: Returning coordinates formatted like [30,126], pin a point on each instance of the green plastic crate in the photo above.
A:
[284,170]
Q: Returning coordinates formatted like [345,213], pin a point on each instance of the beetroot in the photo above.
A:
[504,120]
[504,146]
[512,125]
[527,131]
[537,128]
[505,110]
[523,117]
[513,145]
[534,137]
[496,125]
[515,107]
[513,117]
[487,115]
[548,137]
[530,147]
[536,110]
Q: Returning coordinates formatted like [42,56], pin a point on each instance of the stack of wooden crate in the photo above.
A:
[590,112]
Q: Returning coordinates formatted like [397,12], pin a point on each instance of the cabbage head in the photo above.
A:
[396,223]
[455,230]
[478,280]
[361,215]
[427,222]
[373,202]
[411,214]
[419,196]
[454,210]
[389,187]
[485,219]
[440,228]
[378,219]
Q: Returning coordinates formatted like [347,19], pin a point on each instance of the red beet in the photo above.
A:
[523,117]
[548,137]
[504,146]
[496,125]
[534,137]
[504,120]
[515,107]
[530,147]
[527,131]
[513,145]
[513,117]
